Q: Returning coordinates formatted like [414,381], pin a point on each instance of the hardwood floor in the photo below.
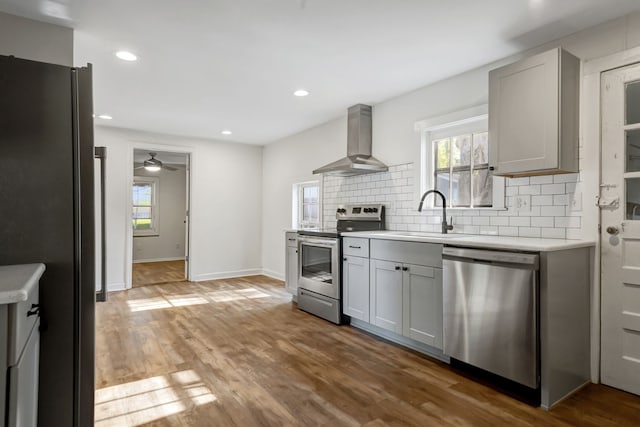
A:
[152,273]
[237,353]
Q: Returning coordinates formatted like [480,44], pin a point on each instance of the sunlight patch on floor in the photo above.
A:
[237,294]
[140,402]
[170,301]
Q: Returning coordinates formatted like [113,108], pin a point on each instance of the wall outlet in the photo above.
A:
[575,202]
[522,203]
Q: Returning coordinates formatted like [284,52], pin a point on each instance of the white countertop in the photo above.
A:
[17,280]
[477,241]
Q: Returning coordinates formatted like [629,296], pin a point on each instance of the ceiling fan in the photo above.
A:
[154,165]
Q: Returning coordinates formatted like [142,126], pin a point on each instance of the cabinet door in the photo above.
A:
[22,402]
[422,304]
[355,291]
[386,295]
[524,114]
[291,278]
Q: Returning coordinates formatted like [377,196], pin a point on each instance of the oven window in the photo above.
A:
[316,264]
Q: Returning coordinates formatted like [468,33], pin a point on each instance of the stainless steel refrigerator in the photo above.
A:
[47,215]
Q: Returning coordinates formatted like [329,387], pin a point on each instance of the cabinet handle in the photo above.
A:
[397,268]
[405,268]
[292,240]
[34,310]
[355,247]
[344,259]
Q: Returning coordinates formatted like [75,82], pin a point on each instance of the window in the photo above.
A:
[306,205]
[145,206]
[455,160]
[461,170]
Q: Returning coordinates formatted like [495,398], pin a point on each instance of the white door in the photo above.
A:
[620,236]
[187,217]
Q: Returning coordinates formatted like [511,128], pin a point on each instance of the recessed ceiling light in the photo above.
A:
[105,117]
[226,132]
[301,92]
[126,56]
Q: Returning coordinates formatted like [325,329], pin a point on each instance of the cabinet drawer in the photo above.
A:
[292,239]
[407,252]
[355,247]
[22,317]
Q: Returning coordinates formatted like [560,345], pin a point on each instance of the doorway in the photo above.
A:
[159,217]
[620,231]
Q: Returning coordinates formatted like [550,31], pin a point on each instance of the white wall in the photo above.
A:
[39,41]
[226,200]
[395,142]
[169,243]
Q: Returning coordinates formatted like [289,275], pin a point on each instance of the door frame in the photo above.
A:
[591,149]
[139,145]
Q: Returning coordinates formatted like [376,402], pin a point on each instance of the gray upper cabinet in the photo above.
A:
[533,115]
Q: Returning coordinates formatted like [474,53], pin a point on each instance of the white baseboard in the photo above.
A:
[273,274]
[136,261]
[226,274]
[113,287]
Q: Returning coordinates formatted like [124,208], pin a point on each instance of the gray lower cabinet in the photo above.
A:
[291,263]
[386,295]
[19,351]
[406,289]
[355,290]
[422,304]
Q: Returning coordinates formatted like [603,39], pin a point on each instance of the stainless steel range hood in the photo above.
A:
[359,160]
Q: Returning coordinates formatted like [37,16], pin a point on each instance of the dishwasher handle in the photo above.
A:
[491,256]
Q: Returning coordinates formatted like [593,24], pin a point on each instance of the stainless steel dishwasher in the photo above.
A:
[491,311]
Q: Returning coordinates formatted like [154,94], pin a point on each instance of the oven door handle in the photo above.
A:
[318,242]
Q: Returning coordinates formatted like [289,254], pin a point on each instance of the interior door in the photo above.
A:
[187,217]
[620,235]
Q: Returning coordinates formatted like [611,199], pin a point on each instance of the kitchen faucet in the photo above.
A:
[445,227]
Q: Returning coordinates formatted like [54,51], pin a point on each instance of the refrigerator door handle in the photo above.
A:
[101,154]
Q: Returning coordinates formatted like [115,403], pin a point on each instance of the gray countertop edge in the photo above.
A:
[17,280]
[479,241]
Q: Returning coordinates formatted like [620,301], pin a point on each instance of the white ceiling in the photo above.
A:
[209,65]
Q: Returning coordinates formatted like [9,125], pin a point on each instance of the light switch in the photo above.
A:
[575,202]
[522,203]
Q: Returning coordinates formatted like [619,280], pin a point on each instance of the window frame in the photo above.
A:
[155,204]
[465,122]
[298,205]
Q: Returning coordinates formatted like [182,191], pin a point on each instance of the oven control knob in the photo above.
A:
[374,210]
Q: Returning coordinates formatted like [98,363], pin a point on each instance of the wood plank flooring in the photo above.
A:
[237,353]
[152,273]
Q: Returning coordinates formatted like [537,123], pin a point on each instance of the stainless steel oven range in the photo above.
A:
[320,260]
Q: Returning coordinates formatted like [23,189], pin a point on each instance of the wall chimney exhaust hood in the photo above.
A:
[359,160]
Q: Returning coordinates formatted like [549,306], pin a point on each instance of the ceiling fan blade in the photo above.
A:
[169,168]
[139,167]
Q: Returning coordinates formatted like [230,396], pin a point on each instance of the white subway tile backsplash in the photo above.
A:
[508,231]
[529,232]
[553,233]
[552,210]
[549,217]
[519,221]
[529,189]
[543,179]
[568,222]
[541,200]
[542,221]
[552,189]
[567,177]
[517,181]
